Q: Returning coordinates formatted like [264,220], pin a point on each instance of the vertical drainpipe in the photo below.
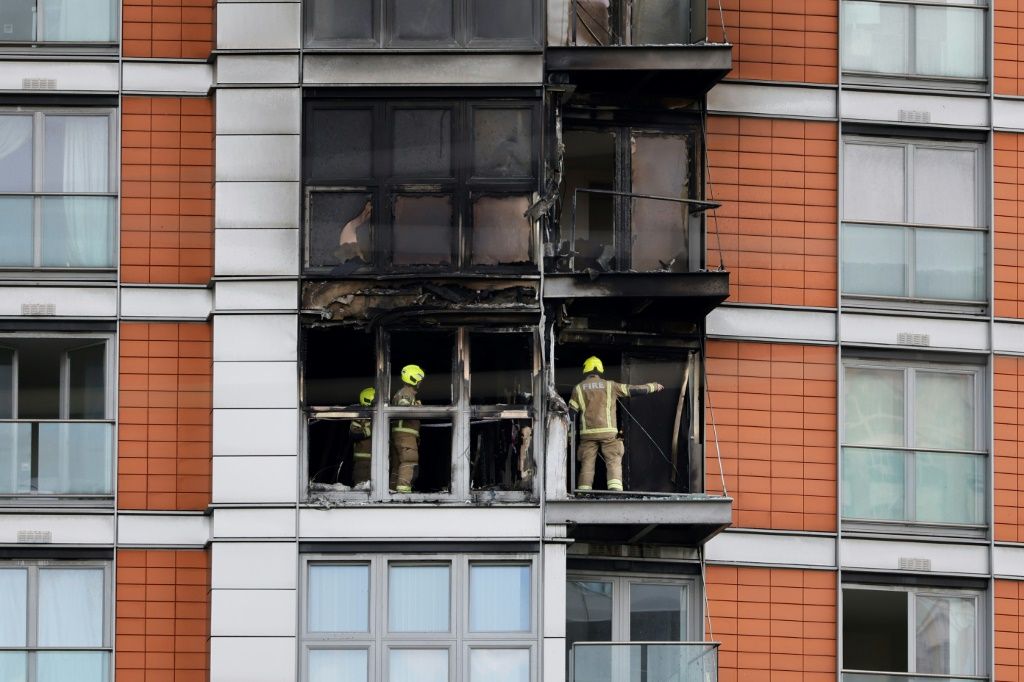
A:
[839,346]
[991,336]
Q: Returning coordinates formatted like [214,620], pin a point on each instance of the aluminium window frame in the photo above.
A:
[33,566]
[981,219]
[982,626]
[37,193]
[909,368]
[458,640]
[915,80]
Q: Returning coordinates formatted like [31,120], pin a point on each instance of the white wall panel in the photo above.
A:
[942,333]
[163,530]
[554,659]
[255,337]
[1008,561]
[896,107]
[253,613]
[1008,114]
[258,26]
[250,205]
[64,529]
[1008,337]
[66,76]
[253,523]
[772,323]
[255,384]
[258,157]
[255,432]
[254,69]
[252,659]
[886,554]
[248,253]
[772,549]
[66,301]
[258,480]
[254,566]
[192,78]
[423,523]
[423,69]
[256,295]
[553,608]
[772,100]
[171,303]
[260,111]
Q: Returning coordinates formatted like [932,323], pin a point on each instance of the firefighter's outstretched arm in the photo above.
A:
[627,390]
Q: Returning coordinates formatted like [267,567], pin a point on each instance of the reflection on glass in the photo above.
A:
[418,665]
[16,242]
[418,598]
[80,666]
[944,410]
[13,604]
[339,598]
[874,484]
[951,488]
[950,264]
[79,21]
[16,162]
[19,15]
[873,182]
[945,186]
[946,634]
[13,666]
[874,406]
[78,232]
[875,37]
[15,458]
[655,662]
[339,665]
[588,611]
[657,613]
[499,665]
[874,260]
[499,598]
[950,42]
[423,230]
[75,458]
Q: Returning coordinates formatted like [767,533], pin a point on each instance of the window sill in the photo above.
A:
[916,531]
[914,306]
[916,83]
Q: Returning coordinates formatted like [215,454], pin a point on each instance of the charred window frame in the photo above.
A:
[623,188]
[462,417]
[370,209]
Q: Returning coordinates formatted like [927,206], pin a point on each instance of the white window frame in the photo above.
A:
[40,19]
[36,193]
[459,640]
[32,609]
[913,592]
[908,225]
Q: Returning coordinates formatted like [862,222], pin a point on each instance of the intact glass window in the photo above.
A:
[913,225]
[912,444]
[915,630]
[58,190]
[927,40]
[55,622]
[58,21]
[449,618]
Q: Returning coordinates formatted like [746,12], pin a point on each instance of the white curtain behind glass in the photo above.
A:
[78,21]
[13,591]
[340,665]
[944,411]
[946,635]
[501,665]
[418,665]
[86,153]
[874,407]
[70,607]
[13,666]
[15,134]
[418,599]
[339,598]
[79,666]
[499,598]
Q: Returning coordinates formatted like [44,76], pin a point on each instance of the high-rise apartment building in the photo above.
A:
[788,229]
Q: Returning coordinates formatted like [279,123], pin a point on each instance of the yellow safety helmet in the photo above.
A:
[412,375]
[367,396]
[593,364]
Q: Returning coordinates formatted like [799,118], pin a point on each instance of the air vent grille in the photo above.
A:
[910,339]
[35,536]
[915,116]
[914,564]
[38,84]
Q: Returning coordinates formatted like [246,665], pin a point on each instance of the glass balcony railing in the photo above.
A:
[56,458]
[605,23]
[644,662]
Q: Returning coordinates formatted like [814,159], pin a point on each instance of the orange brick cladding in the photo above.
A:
[1008,169]
[167,190]
[1007,46]
[169,29]
[775,414]
[780,40]
[777,225]
[775,625]
[163,606]
[164,439]
[1008,417]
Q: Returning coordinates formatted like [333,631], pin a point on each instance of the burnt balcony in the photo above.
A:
[644,662]
[654,45]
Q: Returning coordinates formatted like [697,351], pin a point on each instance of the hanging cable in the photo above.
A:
[721,18]
[704,590]
[710,184]
[711,411]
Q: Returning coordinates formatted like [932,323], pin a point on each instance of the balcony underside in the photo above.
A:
[689,520]
[679,70]
[668,295]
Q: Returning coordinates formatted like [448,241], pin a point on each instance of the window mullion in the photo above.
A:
[911,635]
[38,156]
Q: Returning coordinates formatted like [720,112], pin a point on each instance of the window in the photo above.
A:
[436,618]
[477,398]
[441,24]
[422,184]
[621,22]
[624,201]
[912,444]
[926,40]
[57,189]
[913,221]
[56,622]
[58,21]
[916,630]
[56,426]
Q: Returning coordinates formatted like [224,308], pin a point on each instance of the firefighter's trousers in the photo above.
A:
[361,467]
[405,455]
[612,450]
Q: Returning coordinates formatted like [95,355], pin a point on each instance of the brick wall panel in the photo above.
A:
[775,415]
[167,190]
[779,40]
[1008,171]
[168,29]
[1008,53]
[163,610]
[1008,417]
[776,230]
[165,413]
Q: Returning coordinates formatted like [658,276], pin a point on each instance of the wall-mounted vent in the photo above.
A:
[35,536]
[625,551]
[915,116]
[909,339]
[39,309]
[38,84]
[912,564]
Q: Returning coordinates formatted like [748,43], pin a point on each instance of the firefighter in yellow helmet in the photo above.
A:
[405,433]
[361,431]
[594,399]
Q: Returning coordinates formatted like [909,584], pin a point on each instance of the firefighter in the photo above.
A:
[405,433]
[361,431]
[594,399]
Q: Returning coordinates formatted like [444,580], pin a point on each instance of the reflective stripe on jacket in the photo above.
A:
[362,432]
[406,397]
[594,398]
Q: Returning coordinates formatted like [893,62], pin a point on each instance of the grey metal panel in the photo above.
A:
[423,69]
[258,157]
[172,303]
[256,295]
[893,107]
[680,510]
[256,252]
[1008,114]
[763,322]
[249,205]
[255,432]
[258,26]
[252,613]
[264,68]
[252,659]
[255,338]
[254,480]
[255,385]
[772,100]
[264,111]
[167,77]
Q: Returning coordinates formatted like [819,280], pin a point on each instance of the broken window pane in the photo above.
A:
[501,456]
[339,363]
[593,22]
[340,229]
[660,22]
[434,353]
[659,228]
[422,143]
[501,231]
[590,164]
[501,368]
[420,455]
[339,453]
[502,19]
[423,230]
[423,21]
[351,20]
[340,144]
[503,143]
